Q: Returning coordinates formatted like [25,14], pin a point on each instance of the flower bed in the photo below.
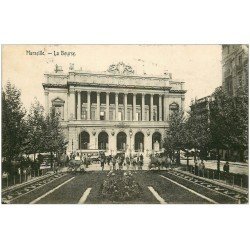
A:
[120,186]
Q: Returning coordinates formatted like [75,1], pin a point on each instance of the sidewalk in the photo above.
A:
[235,167]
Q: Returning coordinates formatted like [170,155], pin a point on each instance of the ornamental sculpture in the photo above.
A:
[148,132]
[120,69]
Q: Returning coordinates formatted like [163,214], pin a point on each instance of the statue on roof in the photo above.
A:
[120,69]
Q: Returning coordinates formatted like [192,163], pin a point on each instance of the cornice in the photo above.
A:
[55,85]
[118,86]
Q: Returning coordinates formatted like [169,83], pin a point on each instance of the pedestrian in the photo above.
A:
[196,168]
[141,158]
[134,163]
[120,163]
[108,159]
[114,163]
[127,162]
[226,167]
[202,167]
[102,160]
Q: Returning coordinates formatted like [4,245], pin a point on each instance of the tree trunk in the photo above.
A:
[195,154]
[51,160]
[178,157]
[218,159]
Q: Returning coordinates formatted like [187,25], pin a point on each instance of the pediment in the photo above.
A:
[57,100]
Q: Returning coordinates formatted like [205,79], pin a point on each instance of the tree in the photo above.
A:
[35,120]
[13,123]
[176,136]
[229,120]
[53,138]
[198,132]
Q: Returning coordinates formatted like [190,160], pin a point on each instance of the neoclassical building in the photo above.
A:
[115,111]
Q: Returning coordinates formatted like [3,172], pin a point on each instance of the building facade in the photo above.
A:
[115,111]
[234,67]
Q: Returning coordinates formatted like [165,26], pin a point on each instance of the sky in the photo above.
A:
[199,66]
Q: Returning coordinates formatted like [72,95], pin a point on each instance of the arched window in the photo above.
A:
[121,141]
[84,140]
[156,141]
[139,141]
[103,140]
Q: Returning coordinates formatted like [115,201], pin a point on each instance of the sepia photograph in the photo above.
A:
[125,124]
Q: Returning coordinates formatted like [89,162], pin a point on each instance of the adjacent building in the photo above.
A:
[234,67]
[115,111]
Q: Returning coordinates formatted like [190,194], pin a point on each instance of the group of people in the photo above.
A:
[121,162]
[200,167]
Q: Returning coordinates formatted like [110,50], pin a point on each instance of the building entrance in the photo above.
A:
[121,141]
[84,140]
[103,139]
[139,141]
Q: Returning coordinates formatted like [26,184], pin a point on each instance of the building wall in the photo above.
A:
[66,88]
[234,67]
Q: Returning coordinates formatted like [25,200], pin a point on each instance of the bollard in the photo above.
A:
[213,175]
[208,174]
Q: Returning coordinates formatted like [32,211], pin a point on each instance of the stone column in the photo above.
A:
[151,107]
[160,108]
[166,108]
[98,106]
[72,104]
[46,93]
[125,106]
[182,102]
[134,107]
[143,107]
[107,106]
[116,106]
[79,105]
[88,105]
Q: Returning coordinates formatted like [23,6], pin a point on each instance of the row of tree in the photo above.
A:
[27,132]
[222,125]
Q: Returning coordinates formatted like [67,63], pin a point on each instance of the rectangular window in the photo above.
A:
[102,115]
[58,111]
[84,114]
